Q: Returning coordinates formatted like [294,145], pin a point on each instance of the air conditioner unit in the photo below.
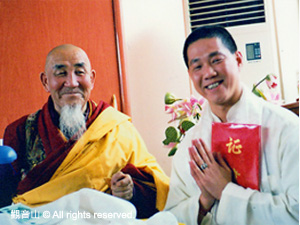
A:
[253,25]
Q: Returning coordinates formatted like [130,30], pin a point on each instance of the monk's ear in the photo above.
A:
[44,80]
[93,77]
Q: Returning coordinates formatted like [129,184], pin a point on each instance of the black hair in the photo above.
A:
[209,32]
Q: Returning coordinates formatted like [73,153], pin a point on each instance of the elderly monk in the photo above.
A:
[72,143]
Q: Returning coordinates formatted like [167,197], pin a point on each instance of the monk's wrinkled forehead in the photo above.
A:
[67,54]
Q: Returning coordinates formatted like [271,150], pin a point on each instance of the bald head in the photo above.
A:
[68,76]
[62,49]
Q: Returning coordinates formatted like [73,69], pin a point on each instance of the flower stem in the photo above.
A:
[259,83]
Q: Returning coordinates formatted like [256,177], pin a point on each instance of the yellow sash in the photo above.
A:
[109,144]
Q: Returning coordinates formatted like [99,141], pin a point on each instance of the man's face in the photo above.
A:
[68,77]
[215,71]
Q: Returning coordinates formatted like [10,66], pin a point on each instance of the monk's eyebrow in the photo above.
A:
[62,66]
[59,66]
[80,64]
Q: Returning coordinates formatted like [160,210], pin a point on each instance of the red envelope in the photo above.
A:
[239,145]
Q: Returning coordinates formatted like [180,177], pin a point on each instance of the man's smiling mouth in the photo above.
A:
[70,92]
[214,85]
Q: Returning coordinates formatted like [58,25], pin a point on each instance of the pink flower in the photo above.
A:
[171,145]
[186,107]
[196,101]
[181,109]
[169,109]
[273,97]
[271,81]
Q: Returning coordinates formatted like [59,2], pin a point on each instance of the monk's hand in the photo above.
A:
[211,175]
[122,185]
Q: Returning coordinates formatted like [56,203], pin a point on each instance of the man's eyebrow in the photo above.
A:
[214,54]
[80,64]
[59,66]
[62,66]
[194,61]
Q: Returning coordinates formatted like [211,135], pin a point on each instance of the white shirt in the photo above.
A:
[277,202]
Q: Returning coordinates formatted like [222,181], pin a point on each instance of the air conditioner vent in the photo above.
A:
[226,12]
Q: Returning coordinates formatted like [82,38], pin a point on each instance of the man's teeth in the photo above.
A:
[214,85]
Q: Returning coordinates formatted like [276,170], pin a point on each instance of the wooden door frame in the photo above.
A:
[125,106]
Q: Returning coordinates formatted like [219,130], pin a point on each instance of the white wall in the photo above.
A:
[154,33]
[287,21]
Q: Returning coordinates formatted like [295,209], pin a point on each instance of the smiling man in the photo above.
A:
[69,79]
[215,72]
[202,189]
[73,143]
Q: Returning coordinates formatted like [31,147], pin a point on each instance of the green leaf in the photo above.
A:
[172,135]
[256,92]
[186,125]
[259,93]
[166,142]
[172,151]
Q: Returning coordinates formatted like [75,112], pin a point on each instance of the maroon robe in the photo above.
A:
[43,140]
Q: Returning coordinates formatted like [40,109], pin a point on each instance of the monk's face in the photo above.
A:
[68,77]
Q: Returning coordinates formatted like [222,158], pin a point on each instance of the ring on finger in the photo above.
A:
[203,166]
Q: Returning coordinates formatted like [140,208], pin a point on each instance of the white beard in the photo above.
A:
[72,121]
